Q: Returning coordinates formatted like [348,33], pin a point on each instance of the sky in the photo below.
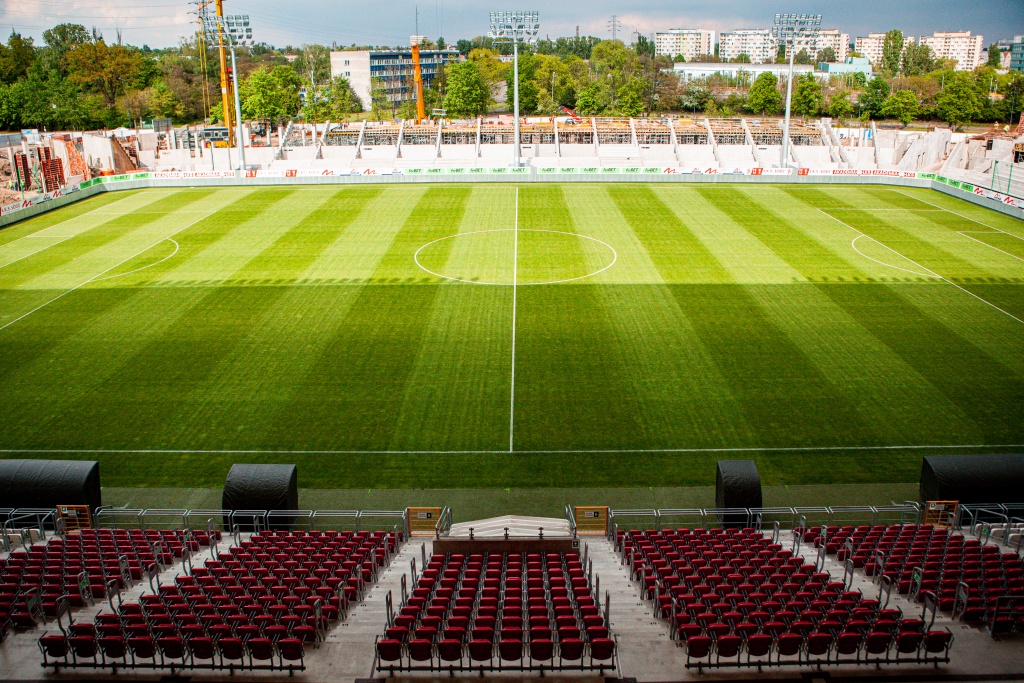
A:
[161,23]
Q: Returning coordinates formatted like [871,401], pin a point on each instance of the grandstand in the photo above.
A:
[645,594]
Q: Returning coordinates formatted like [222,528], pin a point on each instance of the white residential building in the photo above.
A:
[833,38]
[872,45]
[756,43]
[959,45]
[688,42]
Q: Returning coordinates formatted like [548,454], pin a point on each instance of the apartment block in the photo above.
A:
[871,46]
[688,42]
[959,45]
[758,44]
[833,38]
[391,69]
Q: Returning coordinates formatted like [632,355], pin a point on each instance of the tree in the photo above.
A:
[873,97]
[764,97]
[958,102]
[892,52]
[343,99]
[645,46]
[995,56]
[741,58]
[903,106]
[807,96]
[631,96]
[918,60]
[59,40]
[492,69]
[380,104]
[271,94]
[15,58]
[593,99]
[441,44]
[839,105]
[802,57]
[107,69]
[467,94]
[827,55]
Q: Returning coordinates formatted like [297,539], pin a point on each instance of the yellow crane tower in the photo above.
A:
[225,83]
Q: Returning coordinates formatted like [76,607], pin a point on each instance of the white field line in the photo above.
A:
[37,250]
[968,236]
[966,218]
[851,208]
[932,272]
[39,233]
[155,263]
[515,287]
[853,244]
[611,451]
[94,277]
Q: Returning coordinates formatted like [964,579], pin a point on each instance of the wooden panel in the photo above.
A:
[76,517]
[591,520]
[937,511]
[423,520]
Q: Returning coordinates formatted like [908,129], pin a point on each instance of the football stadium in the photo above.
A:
[639,396]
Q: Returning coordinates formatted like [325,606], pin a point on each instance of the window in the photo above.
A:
[346,62]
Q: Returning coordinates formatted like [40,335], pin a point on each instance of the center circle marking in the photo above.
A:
[416,257]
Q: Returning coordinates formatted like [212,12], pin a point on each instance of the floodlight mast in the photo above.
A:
[515,27]
[232,30]
[791,30]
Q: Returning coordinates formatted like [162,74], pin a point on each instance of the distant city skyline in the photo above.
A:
[161,23]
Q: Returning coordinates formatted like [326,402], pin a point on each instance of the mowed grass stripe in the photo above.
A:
[134,353]
[901,405]
[681,394]
[243,390]
[930,254]
[112,240]
[786,399]
[351,396]
[77,210]
[573,386]
[462,372]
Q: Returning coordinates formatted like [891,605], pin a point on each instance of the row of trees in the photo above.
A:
[77,79]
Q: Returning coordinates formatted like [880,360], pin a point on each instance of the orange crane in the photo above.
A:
[421,114]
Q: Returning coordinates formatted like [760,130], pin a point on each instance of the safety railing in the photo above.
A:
[570,518]
[444,523]
[787,518]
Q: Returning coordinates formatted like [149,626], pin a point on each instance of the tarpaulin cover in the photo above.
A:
[737,485]
[49,483]
[973,478]
[261,487]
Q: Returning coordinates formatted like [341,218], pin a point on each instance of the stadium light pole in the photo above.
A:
[515,27]
[792,30]
[229,31]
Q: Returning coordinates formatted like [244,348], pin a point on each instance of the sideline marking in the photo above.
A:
[966,218]
[615,257]
[515,278]
[967,234]
[932,272]
[94,277]
[610,451]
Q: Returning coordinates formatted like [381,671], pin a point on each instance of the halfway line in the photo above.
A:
[515,264]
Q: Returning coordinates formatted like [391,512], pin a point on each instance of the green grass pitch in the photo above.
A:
[609,335]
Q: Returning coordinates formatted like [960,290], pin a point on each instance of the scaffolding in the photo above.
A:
[381,135]
[537,133]
[805,135]
[497,134]
[653,133]
[576,133]
[342,135]
[728,131]
[459,134]
[765,132]
[614,131]
[689,132]
[419,135]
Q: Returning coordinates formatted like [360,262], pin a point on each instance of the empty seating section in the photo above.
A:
[251,608]
[734,598]
[499,612]
[975,582]
[83,566]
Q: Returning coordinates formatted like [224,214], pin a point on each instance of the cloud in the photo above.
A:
[160,23]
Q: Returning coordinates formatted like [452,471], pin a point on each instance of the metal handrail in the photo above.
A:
[157,517]
[444,522]
[382,514]
[216,516]
[761,516]
[570,517]
[336,514]
[290,518]
[641,512]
